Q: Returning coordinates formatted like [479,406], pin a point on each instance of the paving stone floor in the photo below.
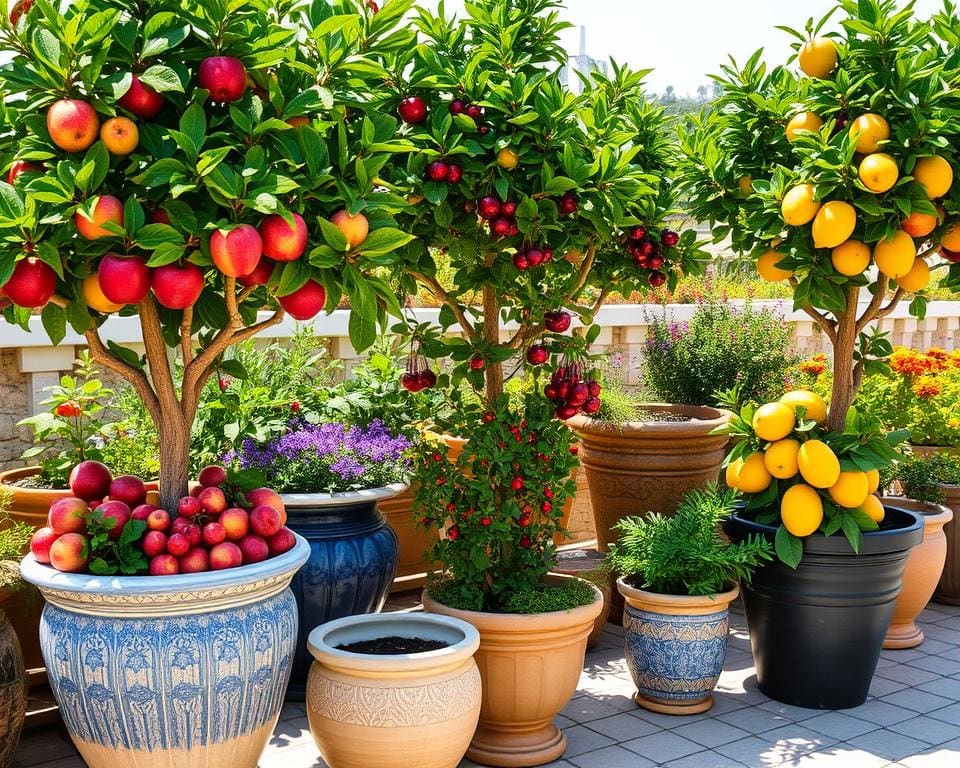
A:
[911,720]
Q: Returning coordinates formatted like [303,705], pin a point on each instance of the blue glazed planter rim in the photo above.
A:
[343,498]
[46,577]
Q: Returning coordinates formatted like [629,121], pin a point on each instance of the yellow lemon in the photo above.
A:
[851,489]
[917,278]
[816,407]
[507,159]
[934,174]
[833,224]
[868,131]
[768,269]
[803,121]
[874,508]
[850,258]
[818,57]
[801,510]
[93,295]
[895,255]
[745,184]
[773,421]
[879,172]
[753,476]
[780,459]
[799,205]
[818,464]
[951,240]
[732,473]
[873,479]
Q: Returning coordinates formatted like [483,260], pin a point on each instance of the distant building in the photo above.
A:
[582,63]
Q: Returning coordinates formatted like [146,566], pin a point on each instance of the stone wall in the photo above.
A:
[14,389]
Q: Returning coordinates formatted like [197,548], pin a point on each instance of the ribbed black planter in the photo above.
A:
[817,631]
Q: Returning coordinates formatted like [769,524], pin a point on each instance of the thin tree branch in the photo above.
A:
[157,358]
[137,378]
[583,273]
[891,305]
[60,301]
[875,302]
[186,336]
[433,285]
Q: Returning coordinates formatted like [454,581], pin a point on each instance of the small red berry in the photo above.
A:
[295,406]
[548,492]
[517,484]
[525,541]
[486,521]
[669,238]
[574,450]
[524,520]
[488,418]
[656,279]
[457,107]
[224,384]
[477,362]
[451,507]
[68,410]
[474,111]
[453,533]
[437,457]
[454,173]
[546,506]
[438,171]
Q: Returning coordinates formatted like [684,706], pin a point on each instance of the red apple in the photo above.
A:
[22,166]
[176,286]
[306,302]
[260,276]
[354,227]
[265,521]
[107,209]
[225,555]
[124,279]
[68,515]
[178,544]
[90,480]
[412,110]
[282,541]
[119,513]
[142,512]
[254,549]
[160,216]
[159,520]
[224,77]
[236,522]
[129,489]
[557,322]
[32,283]
[236,251]
[154,543]
[213,534]
[70,553]
[213,501]
[283,241]
[189,506]
[212,477]
[73,124]
[141,99]
[195,561]
[164,565]
[194,534]
[267,496]
[40,543]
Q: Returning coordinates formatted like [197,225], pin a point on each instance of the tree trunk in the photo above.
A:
[174,459]
[491,334]
[844,348]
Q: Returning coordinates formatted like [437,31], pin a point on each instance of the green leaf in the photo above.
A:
[159,42]
[384,240]
[193,123]
[789,548]
[333,236]
[162,79]
[152,236]
[234,369]
[54,323]
[11,206]
[96,165]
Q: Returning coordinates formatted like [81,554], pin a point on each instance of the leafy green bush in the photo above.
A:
[14,541]
[686,554]
[721,346]
[921,476]
[131,445]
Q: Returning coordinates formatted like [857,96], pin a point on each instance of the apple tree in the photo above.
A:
[207,167]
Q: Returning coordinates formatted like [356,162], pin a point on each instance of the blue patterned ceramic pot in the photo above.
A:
[181,671]
[675,646]
[353,559]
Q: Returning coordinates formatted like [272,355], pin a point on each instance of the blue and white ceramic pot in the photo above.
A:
[353,559]
[675,646]
[181,671]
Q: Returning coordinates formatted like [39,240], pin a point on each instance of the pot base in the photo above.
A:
[939,597]
[517,747]
[665,707]
[902,636]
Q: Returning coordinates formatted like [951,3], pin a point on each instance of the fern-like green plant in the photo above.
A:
[14,543]
[686,554]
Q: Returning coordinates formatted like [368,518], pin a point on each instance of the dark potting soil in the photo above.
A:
[393,646]
[662,416]
[35,482]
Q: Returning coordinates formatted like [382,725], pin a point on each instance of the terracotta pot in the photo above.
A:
[576,562]
[922,573]
[30,505]
[675,646]
[530,665]
[933,450]
[23,609]
[413,542]
[641,467]
[948,590]
[13,692]
[415,710]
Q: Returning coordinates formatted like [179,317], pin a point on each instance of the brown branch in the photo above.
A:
[433,285]
[245,293]
[157,359]
[829,326]
[60,301]
[891,305]
[876,301]
[583,273]
[137,378]
[186,336]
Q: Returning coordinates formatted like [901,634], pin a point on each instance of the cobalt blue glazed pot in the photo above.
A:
[353,559]
[675,646]
[183,671]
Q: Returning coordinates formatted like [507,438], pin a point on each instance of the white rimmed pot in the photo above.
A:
[352,563]
[416,710]
[184,671]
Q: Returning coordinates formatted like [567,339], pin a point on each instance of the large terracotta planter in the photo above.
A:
[415,710]
[921,575]
[530,665]
[576,562]
[353,559]
[30,505]
[675,646]
[13,692]
[640,467]
[948,590]
[413,542]
[183,671]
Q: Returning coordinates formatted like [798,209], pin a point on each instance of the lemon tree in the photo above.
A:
[836,171]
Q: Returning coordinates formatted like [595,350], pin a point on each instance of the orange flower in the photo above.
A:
[815,365]
[908,362]
[926,386]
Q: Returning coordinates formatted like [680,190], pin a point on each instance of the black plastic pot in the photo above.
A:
[817,631]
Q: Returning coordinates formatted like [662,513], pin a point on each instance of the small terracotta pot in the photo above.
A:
[530,665]
[13,692]
[30,505]
[948,590]
[640,467]
[415,710]
[922,573]
[675,646]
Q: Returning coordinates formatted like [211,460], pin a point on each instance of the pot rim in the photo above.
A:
[379,625]
[930,512]
[707,419]
[718,601]
[19,473]
[343,498]
[47,578]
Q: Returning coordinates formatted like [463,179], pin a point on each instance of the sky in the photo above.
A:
[685,40]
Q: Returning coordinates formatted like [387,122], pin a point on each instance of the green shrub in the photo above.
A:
[920,477]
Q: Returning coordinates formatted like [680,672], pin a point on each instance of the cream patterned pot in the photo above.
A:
[181,671]
[415,710]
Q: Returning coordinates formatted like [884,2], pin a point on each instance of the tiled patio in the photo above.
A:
[911,720]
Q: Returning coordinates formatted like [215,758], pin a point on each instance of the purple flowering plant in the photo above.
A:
[325,458]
